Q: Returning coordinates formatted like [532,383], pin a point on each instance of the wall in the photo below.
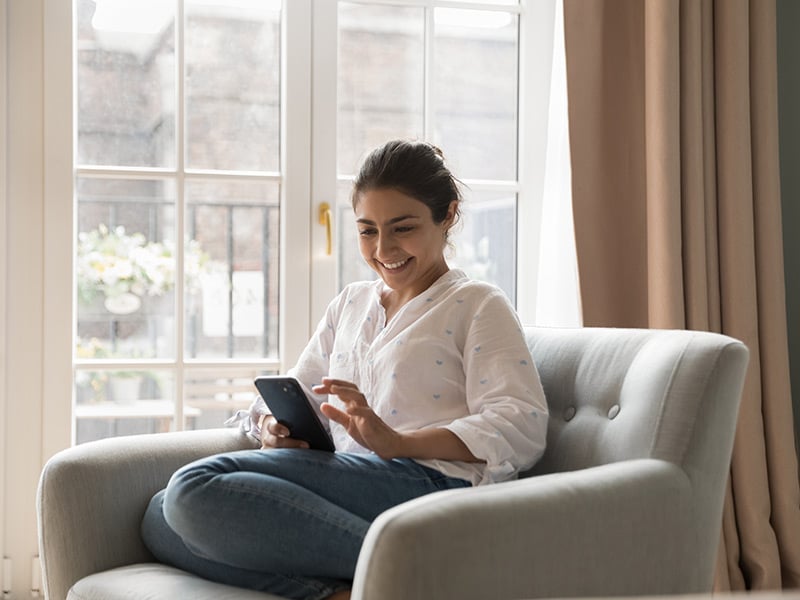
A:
[3,88]
[789,119]
[24,239]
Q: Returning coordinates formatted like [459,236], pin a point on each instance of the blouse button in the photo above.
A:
[569,412]
[613,411]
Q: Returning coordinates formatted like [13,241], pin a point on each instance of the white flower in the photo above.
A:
[112,262]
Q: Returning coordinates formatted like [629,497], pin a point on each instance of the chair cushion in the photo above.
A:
[153,581]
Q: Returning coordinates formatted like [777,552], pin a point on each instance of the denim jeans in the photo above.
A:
[286,521]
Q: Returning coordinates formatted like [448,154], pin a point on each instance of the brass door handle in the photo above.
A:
[325,218]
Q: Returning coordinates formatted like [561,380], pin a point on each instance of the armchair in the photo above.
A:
[627,499]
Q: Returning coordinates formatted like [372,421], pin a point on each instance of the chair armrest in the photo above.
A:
[618,529]
[91,499]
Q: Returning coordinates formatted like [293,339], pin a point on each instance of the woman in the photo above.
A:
[425,379]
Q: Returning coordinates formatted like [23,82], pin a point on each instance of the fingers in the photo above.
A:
[347,391]
[271,425]
[334,414]
[276,435]
[361,411]
[328,383]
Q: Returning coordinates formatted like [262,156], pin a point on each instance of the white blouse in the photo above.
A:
[453,357]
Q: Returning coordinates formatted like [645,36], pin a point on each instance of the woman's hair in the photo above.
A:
[416,169]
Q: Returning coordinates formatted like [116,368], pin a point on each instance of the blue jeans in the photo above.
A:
[286,521]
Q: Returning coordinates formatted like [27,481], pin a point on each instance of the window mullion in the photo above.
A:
[295,198]
[427,120]
[180,210]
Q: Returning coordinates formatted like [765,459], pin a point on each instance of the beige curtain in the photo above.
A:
[676,199]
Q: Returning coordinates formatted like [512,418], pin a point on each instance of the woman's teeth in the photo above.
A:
[397,265]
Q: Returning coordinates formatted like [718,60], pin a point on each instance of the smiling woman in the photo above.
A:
[405,201]
[427,384]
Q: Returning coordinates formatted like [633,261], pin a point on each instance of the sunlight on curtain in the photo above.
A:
[558,294]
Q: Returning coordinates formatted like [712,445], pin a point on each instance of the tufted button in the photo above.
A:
[569,412]
[613,411]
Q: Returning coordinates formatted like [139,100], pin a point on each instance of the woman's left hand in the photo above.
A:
[360,421]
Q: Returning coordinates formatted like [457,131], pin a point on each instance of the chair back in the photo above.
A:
[620,394]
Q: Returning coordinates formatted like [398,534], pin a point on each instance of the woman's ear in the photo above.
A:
[452,214]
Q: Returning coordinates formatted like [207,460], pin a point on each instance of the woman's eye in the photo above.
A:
[366,232]
[403,229]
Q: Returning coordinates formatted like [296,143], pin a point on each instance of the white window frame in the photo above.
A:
[57,223]
[59,198]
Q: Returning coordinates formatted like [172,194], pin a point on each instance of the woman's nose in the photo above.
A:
[385,243]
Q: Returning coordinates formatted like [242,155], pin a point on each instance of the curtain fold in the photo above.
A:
[676,204]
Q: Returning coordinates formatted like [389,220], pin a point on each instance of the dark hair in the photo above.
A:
[416,169]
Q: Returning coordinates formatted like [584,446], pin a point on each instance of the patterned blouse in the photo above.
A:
[455,357]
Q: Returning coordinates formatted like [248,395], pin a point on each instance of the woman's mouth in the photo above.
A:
[395,265]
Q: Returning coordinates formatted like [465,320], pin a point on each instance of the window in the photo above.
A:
[198,185]
[178,177]
[450,76]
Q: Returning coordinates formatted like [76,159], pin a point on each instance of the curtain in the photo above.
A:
[557,296]
[676,207]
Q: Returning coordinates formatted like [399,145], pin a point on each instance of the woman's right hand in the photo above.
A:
[275,435]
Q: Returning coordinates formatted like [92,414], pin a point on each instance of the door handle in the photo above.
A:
[325,219]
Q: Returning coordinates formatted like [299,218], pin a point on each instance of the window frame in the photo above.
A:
[61,175]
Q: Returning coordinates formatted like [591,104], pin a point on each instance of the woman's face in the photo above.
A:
[400,241]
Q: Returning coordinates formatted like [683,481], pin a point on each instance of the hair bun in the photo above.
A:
[436,150]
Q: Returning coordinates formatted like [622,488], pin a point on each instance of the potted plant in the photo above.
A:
[123,268]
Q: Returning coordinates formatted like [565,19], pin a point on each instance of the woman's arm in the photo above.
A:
[437,443]
[507,424]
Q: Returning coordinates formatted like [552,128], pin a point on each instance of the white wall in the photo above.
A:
[3,338]
[23,295]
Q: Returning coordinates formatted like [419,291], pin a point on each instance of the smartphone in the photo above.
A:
[288,403]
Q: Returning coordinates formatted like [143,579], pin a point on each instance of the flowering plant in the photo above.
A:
[114,263]
[92,384]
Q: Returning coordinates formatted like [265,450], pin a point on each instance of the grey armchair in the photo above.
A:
[626,501]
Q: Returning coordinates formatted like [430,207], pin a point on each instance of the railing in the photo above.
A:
[150,213]
[215,378]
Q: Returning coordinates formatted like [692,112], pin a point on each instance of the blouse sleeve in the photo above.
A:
[507,424]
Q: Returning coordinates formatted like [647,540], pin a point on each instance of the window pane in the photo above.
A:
[112,403]
[485,242]
[497,2]
[212,398]
[381,78]
[232,85]
[232,260]
[351,266]
[475,91]
[125,79]
[125,266]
